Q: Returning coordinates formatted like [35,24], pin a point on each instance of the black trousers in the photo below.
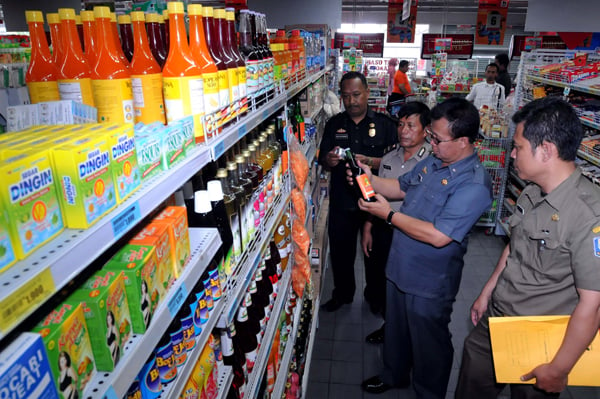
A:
[477,378]
[375,263]
[343,229]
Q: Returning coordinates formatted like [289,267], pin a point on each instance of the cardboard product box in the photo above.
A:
[66,112]
[142,286]
[21,117]
[106,312]
[126,175]
[25,370]
[175,217]
[67,341]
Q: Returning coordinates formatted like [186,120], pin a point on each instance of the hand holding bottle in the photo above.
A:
[333,157]
[380,207]
[365,170]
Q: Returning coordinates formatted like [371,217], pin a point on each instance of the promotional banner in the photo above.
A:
[399,30]
[370,43]
[491,22]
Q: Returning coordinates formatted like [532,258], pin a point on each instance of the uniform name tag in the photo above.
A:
[387,167]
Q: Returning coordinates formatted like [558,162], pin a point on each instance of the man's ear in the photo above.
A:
[549,150]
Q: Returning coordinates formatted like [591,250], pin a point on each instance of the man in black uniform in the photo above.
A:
[367,134]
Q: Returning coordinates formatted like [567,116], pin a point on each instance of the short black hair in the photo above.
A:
[403,63]
[553,120]
[416,108]
[502,59]
[494,65]
[354,75]
[462,116]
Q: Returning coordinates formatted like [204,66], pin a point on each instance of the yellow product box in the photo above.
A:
[157,235]
[29,196]
[84,173]
[175,218]
[7,254]
[67,341]
[106,314]
[126,173]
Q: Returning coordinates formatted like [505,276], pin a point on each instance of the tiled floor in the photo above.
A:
[341,359]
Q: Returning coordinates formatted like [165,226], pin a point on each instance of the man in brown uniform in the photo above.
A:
[552,263]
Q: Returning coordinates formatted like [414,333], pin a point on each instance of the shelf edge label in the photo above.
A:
[219,149]
[25,298]
[177,300]
[126,220]
[242,131]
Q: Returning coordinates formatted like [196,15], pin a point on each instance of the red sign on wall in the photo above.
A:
[461,45]
[370,43]
[491,22]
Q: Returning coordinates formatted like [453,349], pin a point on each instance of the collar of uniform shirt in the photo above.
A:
[558,197]
[459,166]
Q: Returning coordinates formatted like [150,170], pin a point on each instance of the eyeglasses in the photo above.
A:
[433,137]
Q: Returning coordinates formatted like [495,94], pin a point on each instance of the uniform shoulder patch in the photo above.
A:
[597,246]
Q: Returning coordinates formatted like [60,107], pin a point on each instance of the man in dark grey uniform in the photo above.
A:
[377,234]
[552,263]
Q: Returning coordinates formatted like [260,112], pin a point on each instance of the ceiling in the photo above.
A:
[515,6]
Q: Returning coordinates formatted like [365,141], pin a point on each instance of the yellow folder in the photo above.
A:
[521,343]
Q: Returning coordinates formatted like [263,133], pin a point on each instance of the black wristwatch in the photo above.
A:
[389,217]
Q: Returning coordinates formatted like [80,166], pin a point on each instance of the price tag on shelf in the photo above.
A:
[177,300]
[126,220]
[242,131]
[31,294]
[110,393]
[265,114]
[219,149]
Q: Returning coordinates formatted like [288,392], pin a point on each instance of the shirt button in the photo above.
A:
[402,166]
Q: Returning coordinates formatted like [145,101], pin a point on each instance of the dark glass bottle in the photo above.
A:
[362,186]
[246,340]
[252,58]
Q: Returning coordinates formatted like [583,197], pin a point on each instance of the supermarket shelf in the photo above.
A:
[513,190]
[311,343]
[205,243]
[174,389]
[509,206]
[298,87]
[575,86]
[589,123]
[55,264]
[588,157]
[314,115]
[284,366]
[255,378]
[224,381]
[239,285]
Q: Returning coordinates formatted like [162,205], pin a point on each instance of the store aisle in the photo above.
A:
[341,359]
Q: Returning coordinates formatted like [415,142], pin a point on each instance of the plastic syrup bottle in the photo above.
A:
[299,45]
[42,73]
[56,40]
[251,57]
[241,65]
[204,60]
[126,36]
[146,76]
[212,33]
[79,25]
[111,80]
[89,37]
[183,84]
[74,77]
[117,40]
[230,61]
[155,39]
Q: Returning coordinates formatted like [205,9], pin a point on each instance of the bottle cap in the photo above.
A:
[175,7]
[66,13]
[251,147]
[246,153]
[231,166]
[124,19]
[188,190]
[215,190]
[222,173]
[207,12]
[165,14]
[87,15]
[239,159]
[53,18]
[138,16]
[229,15]
[101,12]
[195,9]
[151,17]
[78,20]
[113,17]
[219,13]
[202,202]
[34,16]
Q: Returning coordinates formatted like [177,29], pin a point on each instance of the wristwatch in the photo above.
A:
[389,217]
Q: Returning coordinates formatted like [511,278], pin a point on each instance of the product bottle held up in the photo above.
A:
[42,74]
[146,76]
[362,185]
[74,81]
[203,58]
[182,79]
[111,80]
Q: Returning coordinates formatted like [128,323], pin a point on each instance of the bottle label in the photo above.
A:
[165,362]
[179,349]
[243,89]
[250,360]
[184,96]
[43,91]
[114,100]
[365,186]
[226,344]
[261,77]
[242,314]
[277,73]
[234,91]
[270,71]
[78,90]
[223,89]
[252,77]
[211,101]
[148,98]
[215,284]
[237,240]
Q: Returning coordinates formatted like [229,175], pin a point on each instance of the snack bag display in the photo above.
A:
[67,341]
[106,312]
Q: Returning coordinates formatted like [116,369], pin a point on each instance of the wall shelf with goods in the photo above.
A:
[378,85]
[573,76]
[30,283]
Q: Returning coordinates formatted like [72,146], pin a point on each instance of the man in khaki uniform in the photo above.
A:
[552,263]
